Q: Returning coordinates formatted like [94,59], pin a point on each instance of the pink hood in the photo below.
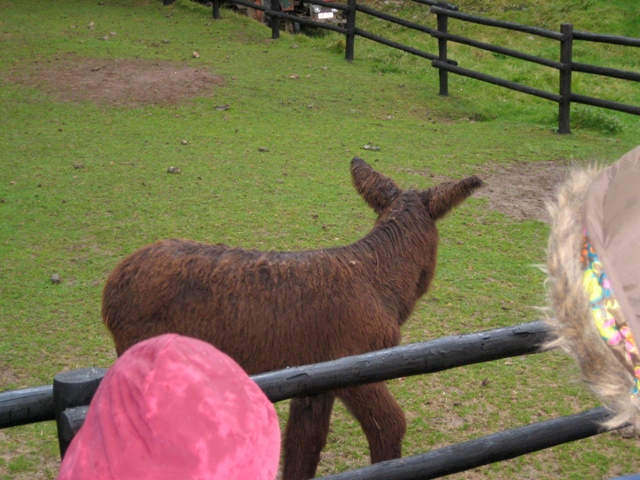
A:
[171,408]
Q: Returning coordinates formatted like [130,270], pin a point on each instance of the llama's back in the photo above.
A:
[267,310]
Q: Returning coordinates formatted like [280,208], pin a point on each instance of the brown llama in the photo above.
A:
[272,310]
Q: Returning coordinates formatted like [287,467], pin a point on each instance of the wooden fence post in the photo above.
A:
[351,30]
[564,106]
[69,424]
[274,5]
[71,389]
[443,20]
[216,9]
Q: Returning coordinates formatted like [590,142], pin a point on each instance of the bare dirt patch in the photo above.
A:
[520,190]
[119,82]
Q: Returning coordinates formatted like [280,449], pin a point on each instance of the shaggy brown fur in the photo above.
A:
[272,310]
[569,313]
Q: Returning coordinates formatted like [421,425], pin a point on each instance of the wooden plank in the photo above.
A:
[485,450]
[396,20]
[612,39]
[497,49]
[519,87]
[605,71]
[27,405]
[37,404]
[541,32]
[406,360]
[597,102]
[390,43]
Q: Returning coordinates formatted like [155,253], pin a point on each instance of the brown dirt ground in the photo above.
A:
[520,190]
[119,82]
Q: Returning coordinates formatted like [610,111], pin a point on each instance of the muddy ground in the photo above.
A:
[119,82]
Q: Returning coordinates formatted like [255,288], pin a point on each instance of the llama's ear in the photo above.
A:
[442,198]
[376,189]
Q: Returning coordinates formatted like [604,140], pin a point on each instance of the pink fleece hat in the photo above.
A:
[173,407]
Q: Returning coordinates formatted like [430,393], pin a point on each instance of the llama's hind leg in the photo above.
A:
[380,416]
[306,435]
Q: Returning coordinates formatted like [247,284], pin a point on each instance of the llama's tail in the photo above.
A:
[442,198]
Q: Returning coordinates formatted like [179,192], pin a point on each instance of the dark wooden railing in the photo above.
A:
[566,66]
[497,447]
[440,60]
[66,401]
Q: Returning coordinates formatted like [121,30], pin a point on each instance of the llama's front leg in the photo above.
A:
[380,416]
[306,435]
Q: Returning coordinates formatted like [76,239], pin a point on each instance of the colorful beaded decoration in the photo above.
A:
[607,314]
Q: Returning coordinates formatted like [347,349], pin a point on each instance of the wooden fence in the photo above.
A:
[565,65]
[66,400]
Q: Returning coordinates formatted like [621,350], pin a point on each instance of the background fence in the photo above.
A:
[440,60]
[66,400]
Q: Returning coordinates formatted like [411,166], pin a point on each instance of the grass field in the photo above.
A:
[99,99]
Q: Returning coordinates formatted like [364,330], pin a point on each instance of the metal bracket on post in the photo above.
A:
[71,389]
[564,106]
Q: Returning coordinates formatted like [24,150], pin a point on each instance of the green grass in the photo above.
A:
[79,222]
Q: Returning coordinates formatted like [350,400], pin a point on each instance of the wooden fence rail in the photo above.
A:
[565,65]
[493,448]
[32,405]
[403,361]
[67,399]
[28,405]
